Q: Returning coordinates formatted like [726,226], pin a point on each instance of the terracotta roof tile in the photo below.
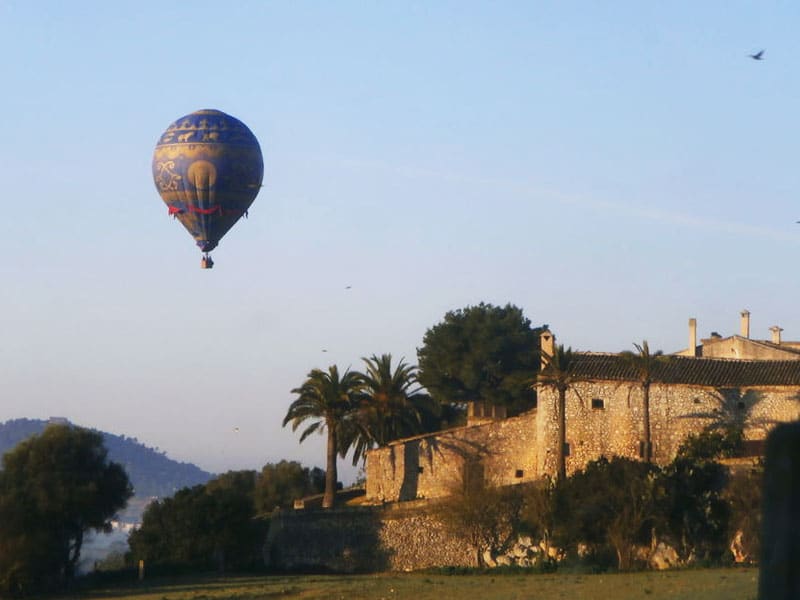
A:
[716,372]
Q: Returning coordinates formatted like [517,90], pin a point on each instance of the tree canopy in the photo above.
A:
[481,353]
[610,505]
[391,405]
[54,488]
[209,526]
[279,484]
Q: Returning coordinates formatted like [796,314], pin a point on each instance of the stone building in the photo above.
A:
[741,346]
[722,380]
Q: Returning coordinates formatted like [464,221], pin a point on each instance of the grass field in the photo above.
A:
[707,584]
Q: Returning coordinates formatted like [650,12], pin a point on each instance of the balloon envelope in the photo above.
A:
[208,168]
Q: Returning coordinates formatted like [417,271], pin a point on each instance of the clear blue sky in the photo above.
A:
[613,168]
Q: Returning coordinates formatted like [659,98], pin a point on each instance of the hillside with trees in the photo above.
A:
[150,471]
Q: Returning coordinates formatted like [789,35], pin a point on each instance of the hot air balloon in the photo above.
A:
[208,168]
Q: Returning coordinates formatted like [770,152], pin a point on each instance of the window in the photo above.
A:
[566,449]
[598,404]
[519,473]
[420,469]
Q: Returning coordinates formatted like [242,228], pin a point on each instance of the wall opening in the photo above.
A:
[641,449]
[598,404]
[473,474]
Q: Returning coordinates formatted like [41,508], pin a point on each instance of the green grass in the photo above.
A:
[708,584]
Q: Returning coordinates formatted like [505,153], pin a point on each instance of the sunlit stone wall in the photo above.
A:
[605,418]
[501,452]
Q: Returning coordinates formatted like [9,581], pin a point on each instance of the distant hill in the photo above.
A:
[150,471]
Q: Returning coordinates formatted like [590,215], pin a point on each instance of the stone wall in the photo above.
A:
[503,452]
[743,348]
[364,539]
[675,411]
[603,418]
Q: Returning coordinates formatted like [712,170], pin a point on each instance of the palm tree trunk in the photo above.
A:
[648,446]
[330,472]
[561,463]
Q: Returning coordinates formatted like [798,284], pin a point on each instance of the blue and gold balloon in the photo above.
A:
[208,168]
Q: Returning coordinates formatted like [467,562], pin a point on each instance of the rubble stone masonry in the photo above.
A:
[604,418]
[502,452]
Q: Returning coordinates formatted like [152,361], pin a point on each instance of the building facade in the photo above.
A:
[721,381]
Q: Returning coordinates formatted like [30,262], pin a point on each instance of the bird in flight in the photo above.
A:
[347,287]
[757,56]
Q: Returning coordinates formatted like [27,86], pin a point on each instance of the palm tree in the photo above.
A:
[392,405]
[558,374]
[331,401]
[645,364]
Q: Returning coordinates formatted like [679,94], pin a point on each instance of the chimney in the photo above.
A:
[692,337]
[776,334]
[547,343]
[746,324]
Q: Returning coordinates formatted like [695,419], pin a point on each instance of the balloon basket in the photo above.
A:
[206,262]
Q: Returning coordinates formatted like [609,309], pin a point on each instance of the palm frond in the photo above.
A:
[318,426]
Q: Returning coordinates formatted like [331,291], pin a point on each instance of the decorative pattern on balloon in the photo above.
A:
[208,169]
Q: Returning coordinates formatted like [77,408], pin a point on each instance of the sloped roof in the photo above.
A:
[715,372]
[782,347]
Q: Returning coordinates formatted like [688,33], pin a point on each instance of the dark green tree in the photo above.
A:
[481,353]
[712,444]
[204,527]
[744,498]
[330,401]
[54,488]
[645,364]
[611,504]
[559,375]
[279,484]
[697,513]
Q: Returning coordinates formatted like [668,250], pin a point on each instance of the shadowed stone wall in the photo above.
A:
[430,466]
[363,539]
[341,540]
